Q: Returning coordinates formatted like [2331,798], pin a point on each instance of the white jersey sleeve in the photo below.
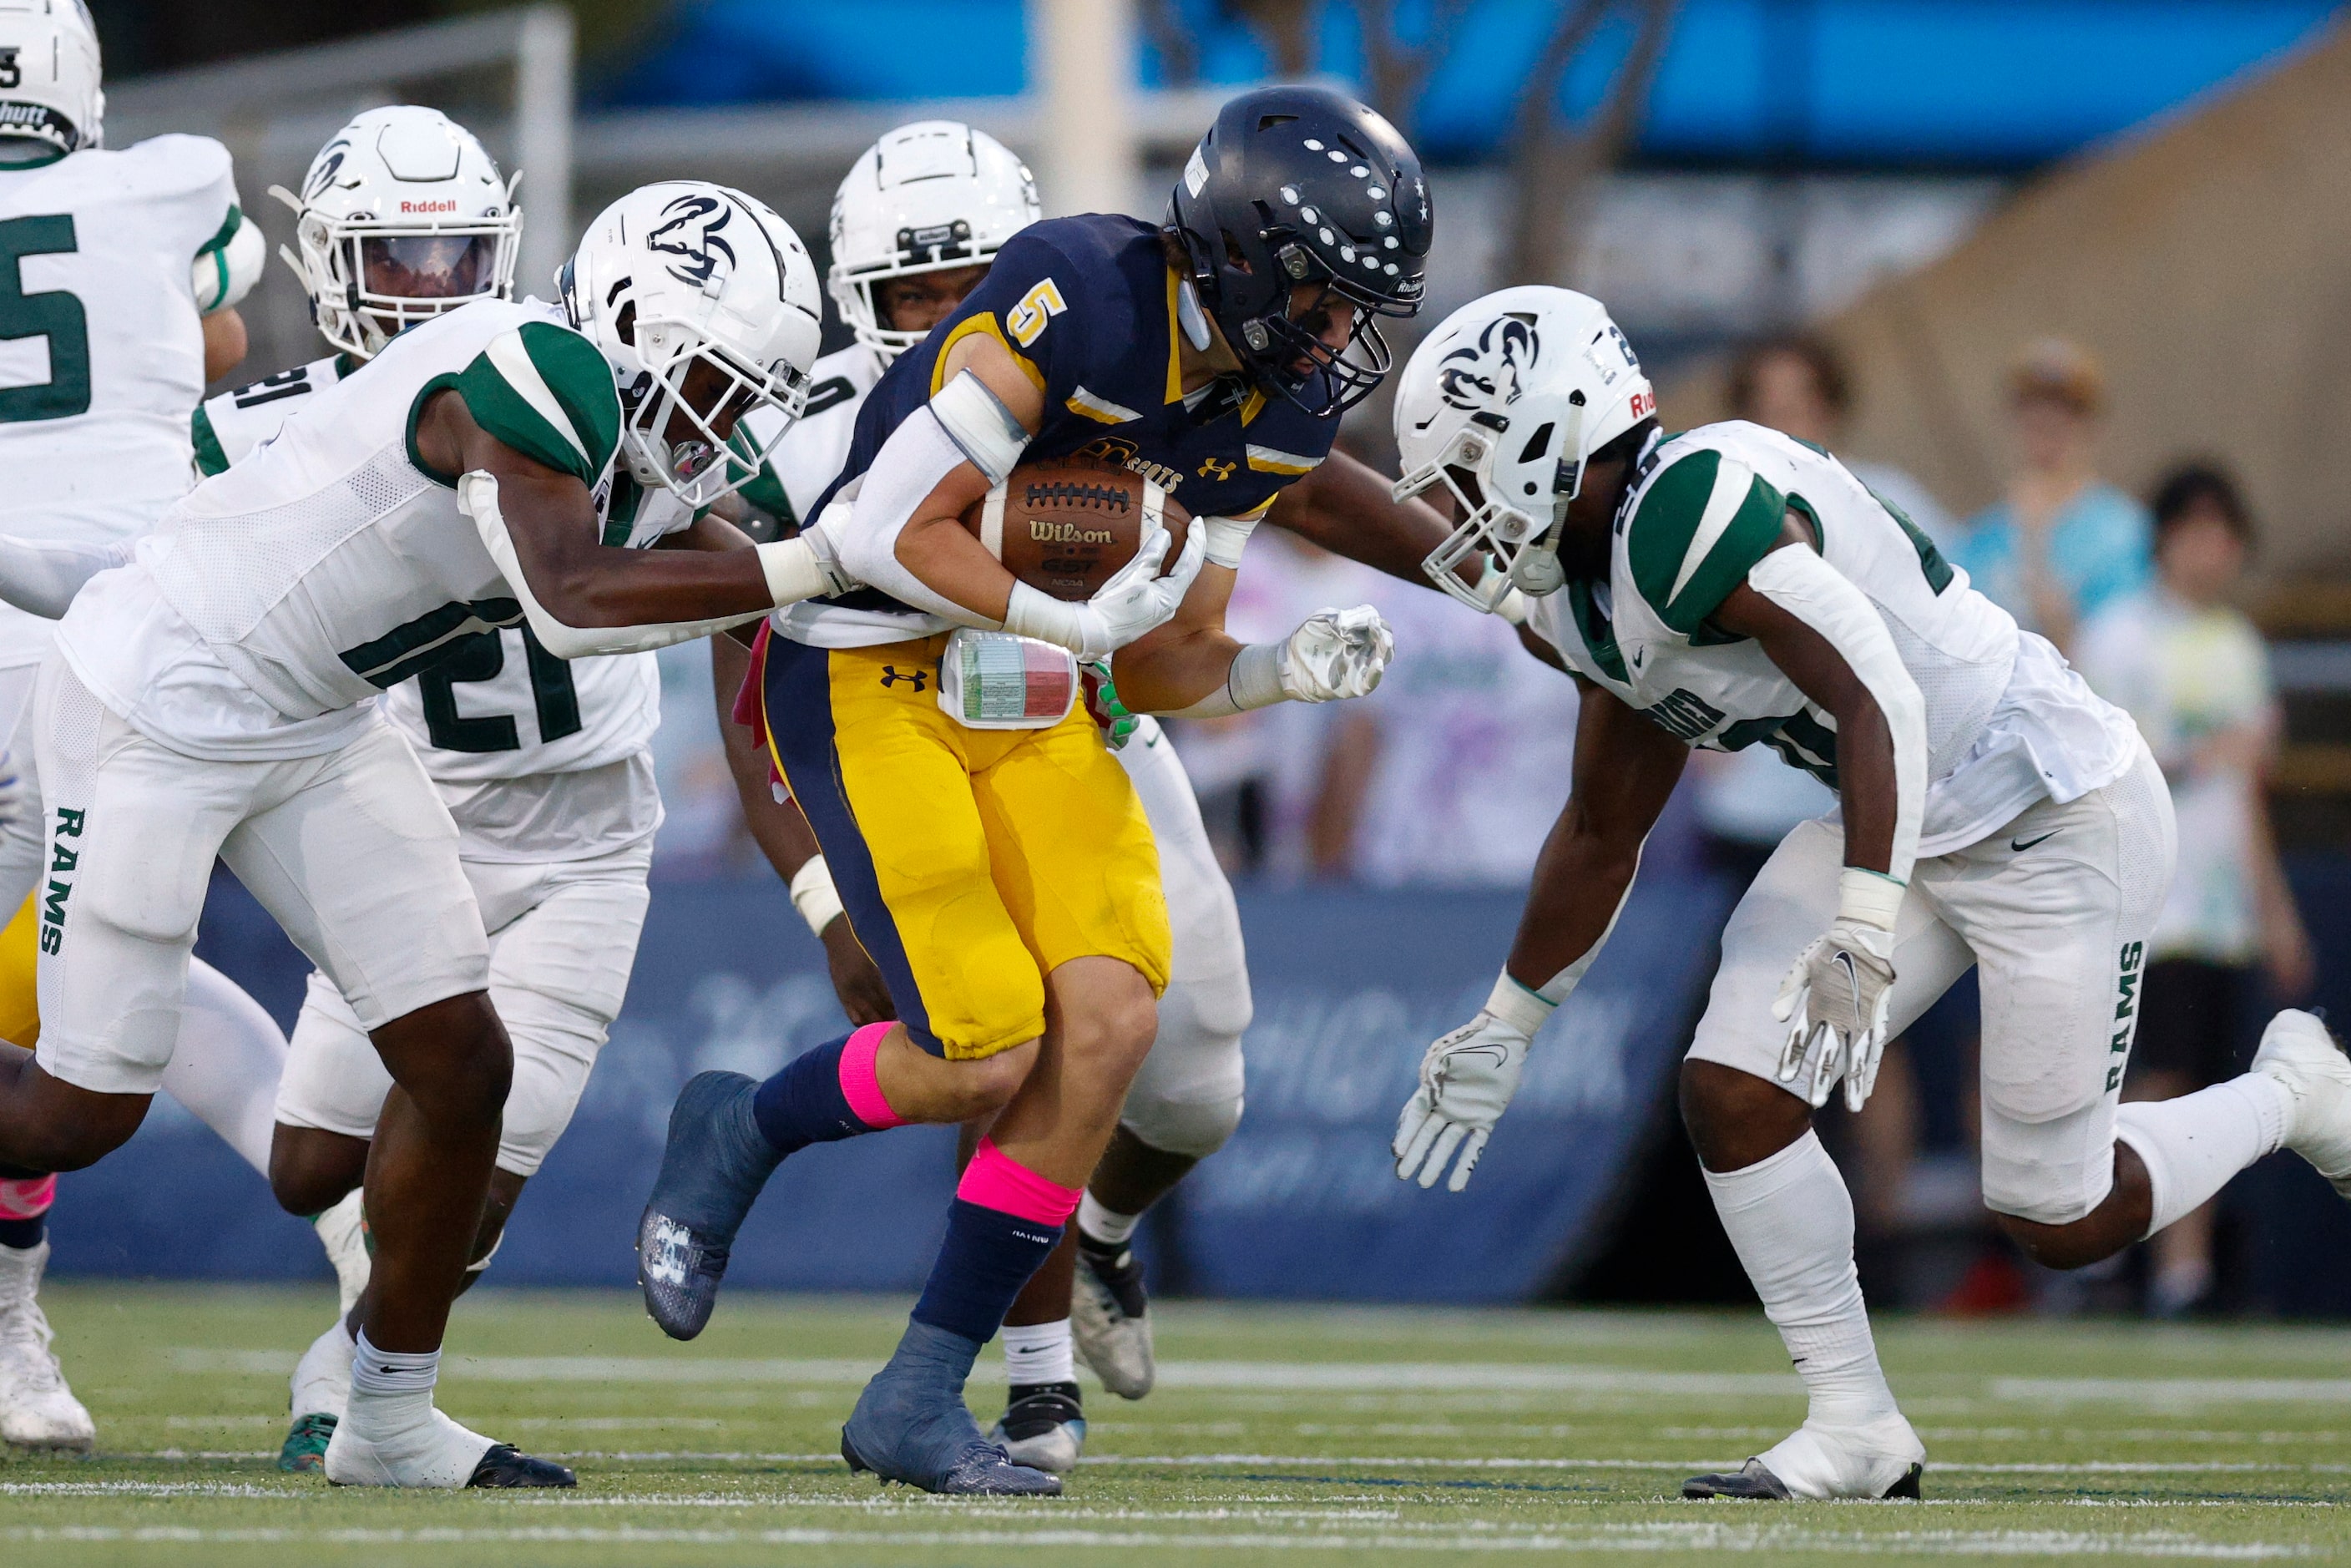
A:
[227,428]
[803,460]
[500,706]
[332,564]
[2007,722]
[101,351]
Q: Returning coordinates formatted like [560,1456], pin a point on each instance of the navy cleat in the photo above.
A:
[505,1466]
[911,1425]
[712,1169]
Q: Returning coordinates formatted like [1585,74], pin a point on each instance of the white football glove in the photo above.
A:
[1336,653]
[1137,599]
[1466,1079]
[1835,1003]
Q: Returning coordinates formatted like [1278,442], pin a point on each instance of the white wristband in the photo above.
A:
[1522,1009]
[1226,538]
[1032,612]
[1869,897]
[793,573]
[814,895]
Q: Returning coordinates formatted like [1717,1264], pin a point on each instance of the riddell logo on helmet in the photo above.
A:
[1644,404]
[447,206]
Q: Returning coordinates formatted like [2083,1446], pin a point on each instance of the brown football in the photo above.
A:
[1064,528]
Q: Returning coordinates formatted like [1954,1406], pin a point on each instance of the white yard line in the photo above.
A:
[1646,1538]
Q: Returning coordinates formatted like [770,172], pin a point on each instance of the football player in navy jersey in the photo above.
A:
[997,866]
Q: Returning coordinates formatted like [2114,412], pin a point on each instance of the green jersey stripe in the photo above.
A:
[547,394]
[1704,523]
[210,458]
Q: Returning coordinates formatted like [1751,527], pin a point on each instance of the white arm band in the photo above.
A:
[477,496]
[1227,537]
[41,577]
[226,275]
[814,895]
[980,424]
[1253,682]
[1824,599]
[903,473]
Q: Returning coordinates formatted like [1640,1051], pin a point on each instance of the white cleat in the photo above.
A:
[1110,1318]
[37,1409]
[342,1231]
[1883,1458]
[322,1379]
[434,1453]
[2297,1050]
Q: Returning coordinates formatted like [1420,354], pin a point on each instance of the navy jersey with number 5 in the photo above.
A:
[1086,307]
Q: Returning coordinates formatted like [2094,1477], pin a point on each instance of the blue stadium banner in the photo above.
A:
[1351,987]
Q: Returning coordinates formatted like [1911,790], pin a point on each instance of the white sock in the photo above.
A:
[321,1382]
[225,1063]
[1102,1224]
[391,1390]
[1038,1353]
[1791,1219]
[2193,1144]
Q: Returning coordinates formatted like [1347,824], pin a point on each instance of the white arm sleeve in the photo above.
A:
[918,454]
[1822,598]
[477,495]
[41,577]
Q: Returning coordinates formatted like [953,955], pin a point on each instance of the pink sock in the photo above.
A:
[996,1180]
[860,1085]
[27,1199]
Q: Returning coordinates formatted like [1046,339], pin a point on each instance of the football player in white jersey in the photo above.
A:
[214,696]
[544,764]
[914,225]
[124,269]
[1731,586]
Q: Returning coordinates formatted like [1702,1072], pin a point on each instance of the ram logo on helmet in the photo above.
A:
[1474,376]
[690,232]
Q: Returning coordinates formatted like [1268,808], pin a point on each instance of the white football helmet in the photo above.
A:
[684,273]
[928,196]
[402,216]
[1504,404]
[49,74]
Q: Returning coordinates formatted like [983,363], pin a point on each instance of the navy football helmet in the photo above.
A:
[1302,186]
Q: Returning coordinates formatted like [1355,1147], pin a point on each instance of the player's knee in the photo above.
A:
[453,1059]
[1196,1127]
[2059,1223]
[1736,1119]
[1114,1032]
[311,1169]
[981,1086]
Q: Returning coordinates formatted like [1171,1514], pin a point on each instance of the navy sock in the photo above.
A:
[803,1104]
[986,1258]
[24,1235]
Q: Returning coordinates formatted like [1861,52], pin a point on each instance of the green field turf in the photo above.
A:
[1278,1434]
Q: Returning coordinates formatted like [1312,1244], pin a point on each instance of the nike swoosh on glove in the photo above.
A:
[1835,1002]
[1336,655]
[1466,1079]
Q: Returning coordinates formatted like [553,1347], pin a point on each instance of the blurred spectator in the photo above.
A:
[2064,543]
[1800,385]
[2192,671]
[1464,760]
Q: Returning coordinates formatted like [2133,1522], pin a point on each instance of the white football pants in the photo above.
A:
[1187,1099]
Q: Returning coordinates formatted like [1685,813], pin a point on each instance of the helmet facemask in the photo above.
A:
[351,266]
[701,468]
[854,292]
[1522,540]
[1277,342]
